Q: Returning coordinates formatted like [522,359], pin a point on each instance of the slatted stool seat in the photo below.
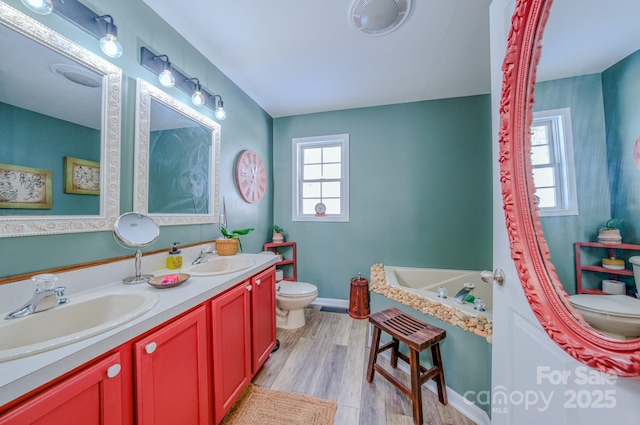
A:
[418,336]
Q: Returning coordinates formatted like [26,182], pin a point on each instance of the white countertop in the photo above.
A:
[19,376]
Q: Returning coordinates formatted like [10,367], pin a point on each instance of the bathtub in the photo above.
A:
[425,283]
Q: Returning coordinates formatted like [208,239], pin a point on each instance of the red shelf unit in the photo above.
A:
[611,251]
[285,261]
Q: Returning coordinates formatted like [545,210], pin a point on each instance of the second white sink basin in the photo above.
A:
[84,316]
[222,265]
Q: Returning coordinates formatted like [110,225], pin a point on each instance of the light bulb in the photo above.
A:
[197,98]
[221,113]
[111,46]
[166,78]
[43,7]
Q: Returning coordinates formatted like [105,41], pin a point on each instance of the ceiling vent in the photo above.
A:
[379,17]
[76,74]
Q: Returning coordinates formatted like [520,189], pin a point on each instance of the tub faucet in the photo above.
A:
[204,255]
[464,292]
[43,299]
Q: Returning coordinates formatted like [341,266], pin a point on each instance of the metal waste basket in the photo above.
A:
[359,298]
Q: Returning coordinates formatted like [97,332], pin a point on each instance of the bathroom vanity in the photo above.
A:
[186,360]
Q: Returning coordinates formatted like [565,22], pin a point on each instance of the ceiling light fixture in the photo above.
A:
[166,77]
[85,18]
[379,17]
[160,65]
[43,7]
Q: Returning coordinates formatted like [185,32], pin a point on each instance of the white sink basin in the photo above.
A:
[84,316]
[222,265]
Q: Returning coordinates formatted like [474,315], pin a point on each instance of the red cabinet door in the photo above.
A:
[230,316]
[92,396]
[263,317]
[172,373]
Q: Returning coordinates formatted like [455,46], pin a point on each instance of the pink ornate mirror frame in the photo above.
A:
[529,250]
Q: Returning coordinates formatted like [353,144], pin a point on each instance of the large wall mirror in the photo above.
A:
[59,132]
[176,161]
[585,70]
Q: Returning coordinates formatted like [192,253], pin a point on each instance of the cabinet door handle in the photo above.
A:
[249,287]
[258,282]
[151,347]
[113,371]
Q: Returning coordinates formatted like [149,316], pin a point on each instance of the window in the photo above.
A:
[552,162]
[321,175]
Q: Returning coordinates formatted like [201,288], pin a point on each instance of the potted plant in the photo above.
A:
[609,233]
[278,234]
[229,243]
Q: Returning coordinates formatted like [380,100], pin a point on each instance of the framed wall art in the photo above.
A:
[25,187]
[81,176]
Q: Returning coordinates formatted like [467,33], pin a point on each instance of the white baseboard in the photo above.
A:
[331,302]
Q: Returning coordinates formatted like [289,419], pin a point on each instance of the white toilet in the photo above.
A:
[291,299]
[617,316]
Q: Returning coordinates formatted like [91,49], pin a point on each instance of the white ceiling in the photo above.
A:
[295,57]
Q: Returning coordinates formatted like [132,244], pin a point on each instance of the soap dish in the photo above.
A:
[169,280]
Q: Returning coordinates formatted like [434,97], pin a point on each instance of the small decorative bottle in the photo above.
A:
[174,260]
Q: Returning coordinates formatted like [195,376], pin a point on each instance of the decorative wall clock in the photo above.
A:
[251,176]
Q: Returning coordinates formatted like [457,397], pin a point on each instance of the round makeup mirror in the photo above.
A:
[530,251]
[135,230]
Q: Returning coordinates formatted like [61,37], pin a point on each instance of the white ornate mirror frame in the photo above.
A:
[24,225]
[529,249]
[146,93]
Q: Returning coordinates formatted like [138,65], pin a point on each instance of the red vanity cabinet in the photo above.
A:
[93,395]
[172,372]
[231,347]
[263,318]
[243,334]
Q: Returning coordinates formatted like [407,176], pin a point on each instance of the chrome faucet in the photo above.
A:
[43,299]
[204,255]
[464,292]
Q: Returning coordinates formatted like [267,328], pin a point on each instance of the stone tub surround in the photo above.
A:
[19,376]
[479,325]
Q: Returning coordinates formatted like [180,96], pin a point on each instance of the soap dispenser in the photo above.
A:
[174,260]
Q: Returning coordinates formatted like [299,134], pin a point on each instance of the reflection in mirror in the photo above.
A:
[135,230]
[177,157]
[60,121]
[545,292]
[586,122]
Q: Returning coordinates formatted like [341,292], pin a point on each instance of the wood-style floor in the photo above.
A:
[327,358]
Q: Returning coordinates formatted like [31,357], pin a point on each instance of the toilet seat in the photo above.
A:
[288,289]
[612,305]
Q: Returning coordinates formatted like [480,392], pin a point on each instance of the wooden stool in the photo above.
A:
[418,336]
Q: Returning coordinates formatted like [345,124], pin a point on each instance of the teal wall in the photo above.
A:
[420,190]
[247,127]
[604,113]
[621,87]
[466,357]
[34,140]
[584,96]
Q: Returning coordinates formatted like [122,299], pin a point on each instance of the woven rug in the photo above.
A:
[269,407]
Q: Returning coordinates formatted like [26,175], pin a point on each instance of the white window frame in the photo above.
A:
[562,146]
[298,146]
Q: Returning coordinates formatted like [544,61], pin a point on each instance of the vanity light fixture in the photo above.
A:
[109,42]
[100,26]
[197,98]
[166,77]
[220,113]
[43,7]
[160,65]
